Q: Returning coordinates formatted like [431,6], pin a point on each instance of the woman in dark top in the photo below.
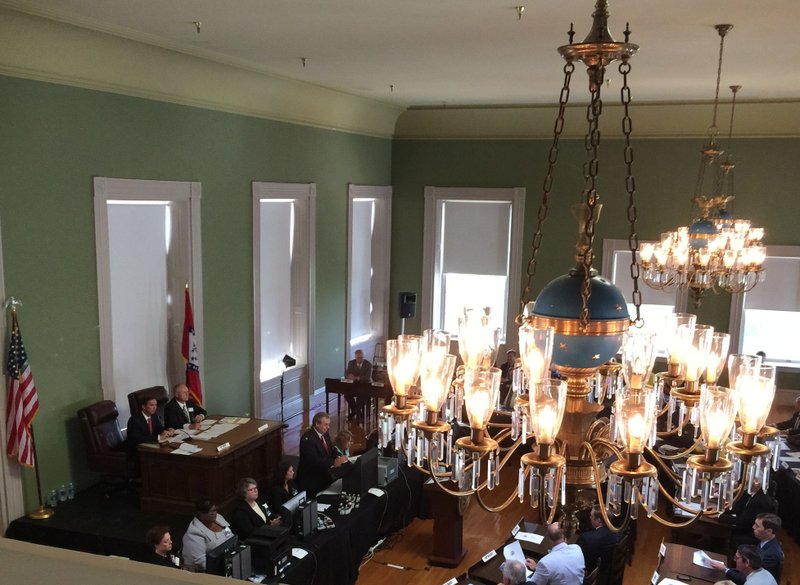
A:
[159,538]
[248,512]
[283,489]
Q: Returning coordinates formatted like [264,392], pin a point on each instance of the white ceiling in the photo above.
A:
[464,52]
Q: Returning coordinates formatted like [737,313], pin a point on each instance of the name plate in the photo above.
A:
[654,578]
[662,552]
[221,448]
[490,555]
[452,581]
[516,529]
[263,427]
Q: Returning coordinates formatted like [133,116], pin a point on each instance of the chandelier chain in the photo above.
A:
[590,171]
[547,185]
[630,187]
[713,130]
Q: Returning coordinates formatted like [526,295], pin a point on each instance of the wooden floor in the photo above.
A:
[484,531]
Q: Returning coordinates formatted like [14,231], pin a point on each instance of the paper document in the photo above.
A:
[702,559]
[299,553]
[186,449]
[669,581]
[529,537]
[513,552]
[212,432]
[234,420]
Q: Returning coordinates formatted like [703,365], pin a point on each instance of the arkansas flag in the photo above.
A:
[189,352]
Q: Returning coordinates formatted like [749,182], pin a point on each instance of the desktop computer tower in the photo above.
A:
[240,562]
[387,470]
[306,518]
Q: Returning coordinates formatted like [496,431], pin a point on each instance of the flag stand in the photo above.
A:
[42,512]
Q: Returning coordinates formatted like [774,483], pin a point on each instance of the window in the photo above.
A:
[368,266]
[767,318]
[656,304]
[148,248]
[283,216]
[472,255]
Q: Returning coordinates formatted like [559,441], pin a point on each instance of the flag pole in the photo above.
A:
[42,512]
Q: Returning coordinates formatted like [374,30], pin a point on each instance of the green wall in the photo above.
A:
[55,139]
[665,172]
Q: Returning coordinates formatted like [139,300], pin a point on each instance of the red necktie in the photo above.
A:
[325,444]
[150,426]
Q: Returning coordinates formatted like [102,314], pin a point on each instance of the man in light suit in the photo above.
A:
[182,410]
[765,529]
[317,456]
[563,565]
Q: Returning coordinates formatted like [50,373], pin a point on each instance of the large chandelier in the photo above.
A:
[715,252]
[447,421]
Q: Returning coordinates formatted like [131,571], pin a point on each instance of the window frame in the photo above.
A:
[434,196]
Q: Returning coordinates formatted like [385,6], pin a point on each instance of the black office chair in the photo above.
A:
[591,578]
[106,451]
[137,397]
[616,571]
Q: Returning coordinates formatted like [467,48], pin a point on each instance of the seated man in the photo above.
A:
[182,410]
[791,427]
[765,529]
[145,426]
[748,567]
[317,456]
[358,370]
[597,542]
[743,515]
[563,565]
[513,573]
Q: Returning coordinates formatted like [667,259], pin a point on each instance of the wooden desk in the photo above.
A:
[172,483]
[356,390]
[677,562]
[489,571]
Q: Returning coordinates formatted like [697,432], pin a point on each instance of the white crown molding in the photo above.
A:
[33,47]
[650,120]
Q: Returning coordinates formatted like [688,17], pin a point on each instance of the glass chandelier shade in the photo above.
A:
[477,339]
[535,351]
[718,406]
[547,403]
[635,411]
[676,327]
[717,353]
[436,371]
[755,387]
[638,357]
[696,350]
[740,363]
[402,362]
[481,388]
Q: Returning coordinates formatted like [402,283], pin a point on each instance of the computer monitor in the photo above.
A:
[215,558]
[363,475]
[289,509]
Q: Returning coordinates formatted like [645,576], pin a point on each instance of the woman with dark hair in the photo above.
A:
[248,512]
[283,488]
[158,537]
[206,530]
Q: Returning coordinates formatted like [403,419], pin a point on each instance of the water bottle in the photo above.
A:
[62,493]
[70,491]
[52,499]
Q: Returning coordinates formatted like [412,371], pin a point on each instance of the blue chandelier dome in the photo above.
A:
[559,306]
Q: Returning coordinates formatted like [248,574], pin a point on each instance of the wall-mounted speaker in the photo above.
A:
[408,305]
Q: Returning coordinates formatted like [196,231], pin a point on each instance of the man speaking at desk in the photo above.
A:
[145,426]
[182,410]
[317,458]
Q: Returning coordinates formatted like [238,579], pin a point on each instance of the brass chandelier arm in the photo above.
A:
[589,450]
[664,466]
[502,506]
[678,455]
[543,497]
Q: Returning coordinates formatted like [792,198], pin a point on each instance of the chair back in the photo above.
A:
[139,397]
[619,558]
[591,578]
[103,439]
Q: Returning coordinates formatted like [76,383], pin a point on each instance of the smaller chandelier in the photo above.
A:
[715,252]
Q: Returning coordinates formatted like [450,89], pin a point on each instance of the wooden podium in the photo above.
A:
[448,525]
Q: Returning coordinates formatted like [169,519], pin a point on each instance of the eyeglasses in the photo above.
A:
[253,488]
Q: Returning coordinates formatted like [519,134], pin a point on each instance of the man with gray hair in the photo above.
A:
[563,565]
[513,573]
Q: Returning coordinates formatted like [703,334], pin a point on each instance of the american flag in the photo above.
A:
[23,402]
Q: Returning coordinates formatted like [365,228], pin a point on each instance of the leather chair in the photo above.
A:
[619,558]
[105,445]
[136,398]
[591,578]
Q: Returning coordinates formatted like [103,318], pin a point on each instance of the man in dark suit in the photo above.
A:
[765,529]
[358,370]
[597,543]
[182,410]
[791,427]
[145,426]
[743,515]
[318,459]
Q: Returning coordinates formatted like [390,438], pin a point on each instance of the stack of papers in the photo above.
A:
[186,449]
[234,420]
[215,431]
[702,559]
[529,537]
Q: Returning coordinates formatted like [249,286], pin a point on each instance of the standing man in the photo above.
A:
[598,542]
[182,410]
[769,551]
[146,427]
[317,456]
[358,370]
[563,565]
